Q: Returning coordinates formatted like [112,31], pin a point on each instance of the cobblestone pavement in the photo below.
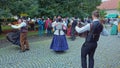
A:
[40,56]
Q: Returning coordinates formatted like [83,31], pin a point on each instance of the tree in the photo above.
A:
[29,7]
[4,14]
[118,7]
[10,8]
[81,8]
[4,11]
[102,13]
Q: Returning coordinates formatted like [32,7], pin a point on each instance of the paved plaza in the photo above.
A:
[40,56]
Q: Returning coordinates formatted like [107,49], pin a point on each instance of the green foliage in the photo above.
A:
[118,7]
[102,13]
[29,7]
[81,8]
[5,14]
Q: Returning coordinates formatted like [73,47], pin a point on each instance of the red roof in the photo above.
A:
[110,4]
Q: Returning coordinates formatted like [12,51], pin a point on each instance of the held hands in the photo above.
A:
[9,24]
[12,24]
[77,29]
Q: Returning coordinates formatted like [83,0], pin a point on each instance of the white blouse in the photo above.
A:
[58,26]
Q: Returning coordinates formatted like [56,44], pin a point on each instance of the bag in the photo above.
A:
[64,28]
[46,31]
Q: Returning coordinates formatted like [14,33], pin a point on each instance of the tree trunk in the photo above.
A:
[0,28]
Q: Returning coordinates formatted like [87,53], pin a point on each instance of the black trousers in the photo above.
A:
[88,48]
[73,34]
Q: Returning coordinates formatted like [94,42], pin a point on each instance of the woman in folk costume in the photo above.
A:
[114,29]
[59,42]
[14,36]
[69,30]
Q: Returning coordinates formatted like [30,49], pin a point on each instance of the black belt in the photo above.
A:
[59,31]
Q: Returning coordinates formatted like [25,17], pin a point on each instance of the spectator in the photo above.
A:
[48,26]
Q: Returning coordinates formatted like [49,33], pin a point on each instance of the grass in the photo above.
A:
[32,33]
[6,27]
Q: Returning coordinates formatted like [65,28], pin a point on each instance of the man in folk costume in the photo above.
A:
[23,35]
[73,32]
[90,44]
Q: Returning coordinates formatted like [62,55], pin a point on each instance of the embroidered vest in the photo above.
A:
[24,29]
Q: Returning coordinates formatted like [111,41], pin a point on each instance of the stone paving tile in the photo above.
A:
[40,56]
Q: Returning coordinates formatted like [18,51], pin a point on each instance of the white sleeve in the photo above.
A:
[19,26]
[83,29]
[104,32]
[53,24]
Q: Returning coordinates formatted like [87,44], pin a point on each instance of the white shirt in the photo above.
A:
[87,28]
[19,26]
[115,23]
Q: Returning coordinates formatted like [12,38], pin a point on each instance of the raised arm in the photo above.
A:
[18,26]
[83,29]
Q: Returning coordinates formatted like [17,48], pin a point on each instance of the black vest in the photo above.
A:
[94,34]
[24,29]
[74,23]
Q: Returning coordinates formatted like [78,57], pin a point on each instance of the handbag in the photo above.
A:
[64,28]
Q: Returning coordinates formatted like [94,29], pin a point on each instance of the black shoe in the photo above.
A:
[27,49]
[22,50]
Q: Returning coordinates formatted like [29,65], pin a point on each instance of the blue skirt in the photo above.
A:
[59,43]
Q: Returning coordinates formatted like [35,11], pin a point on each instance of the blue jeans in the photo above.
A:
[40,30]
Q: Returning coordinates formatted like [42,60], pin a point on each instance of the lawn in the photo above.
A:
[6,27]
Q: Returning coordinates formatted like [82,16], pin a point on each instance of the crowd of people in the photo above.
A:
[44,25]
[59,27]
